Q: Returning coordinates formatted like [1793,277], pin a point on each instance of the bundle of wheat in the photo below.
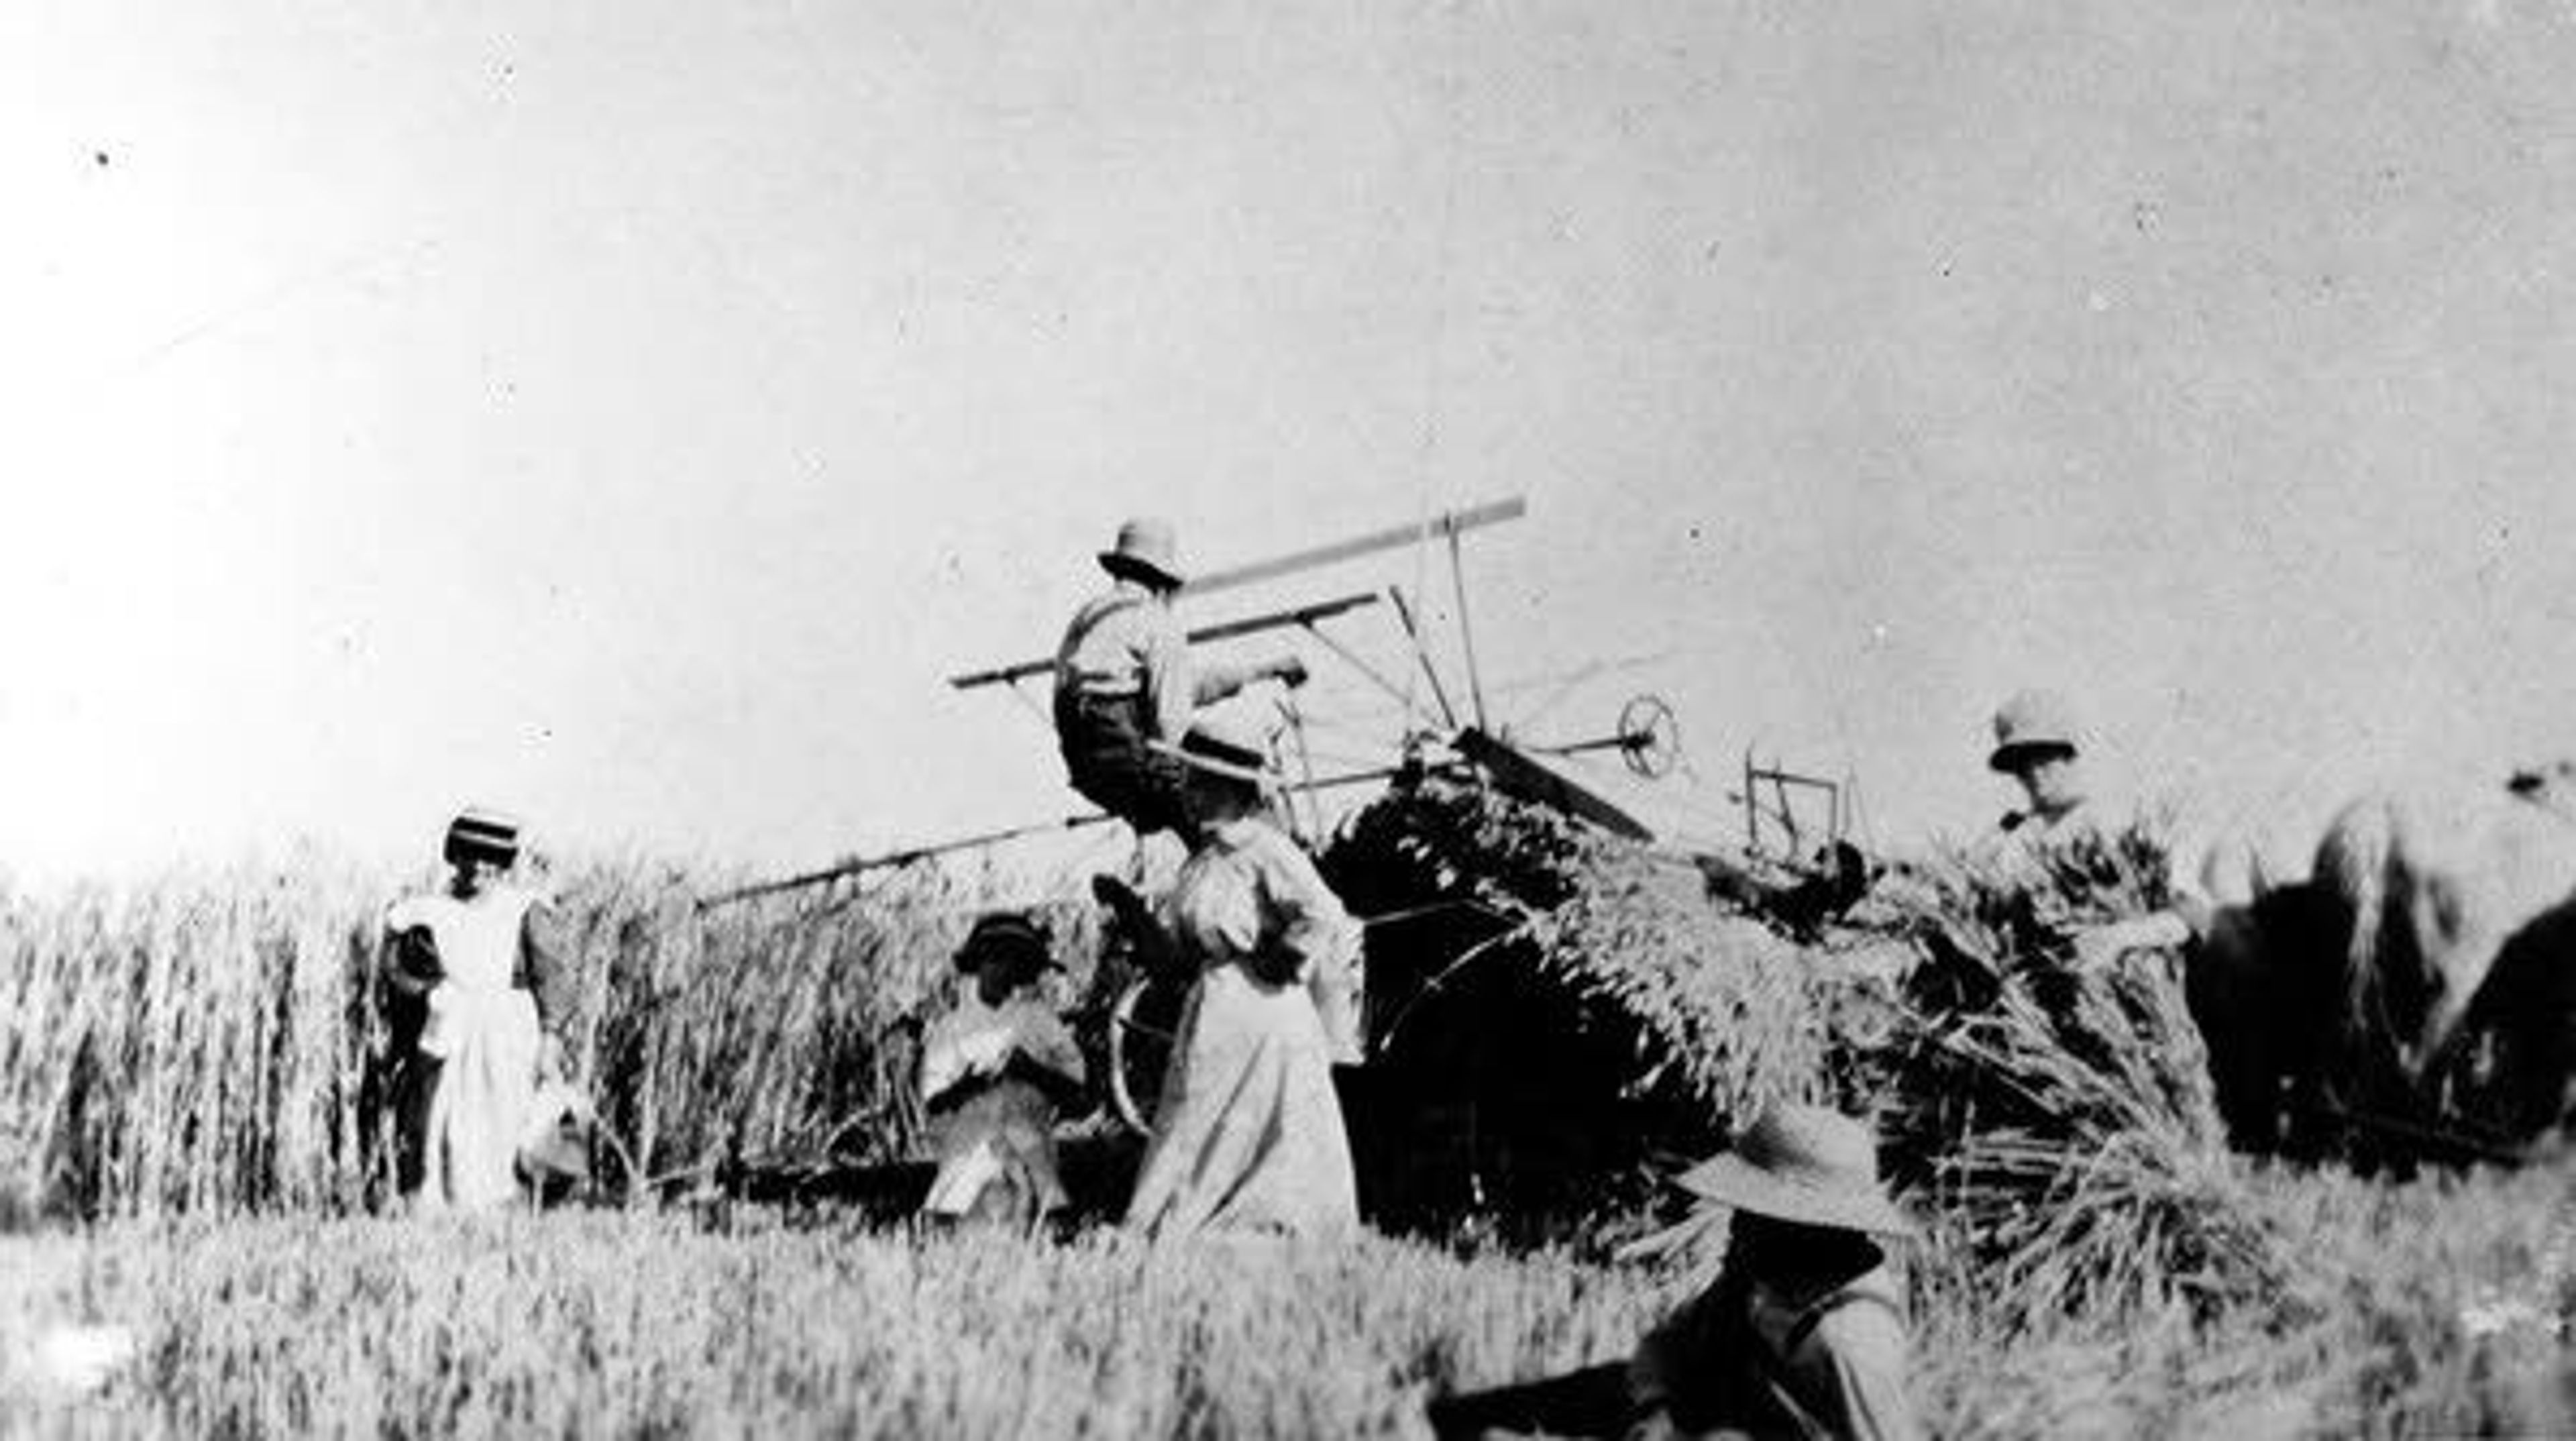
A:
[1558,1013]
[2058,1118]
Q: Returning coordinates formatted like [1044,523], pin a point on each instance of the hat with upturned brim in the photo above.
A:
[2031,723]
[1803,1164]
[1146,551]
[1005,935]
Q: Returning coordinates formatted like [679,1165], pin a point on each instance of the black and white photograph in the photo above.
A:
[1435,719]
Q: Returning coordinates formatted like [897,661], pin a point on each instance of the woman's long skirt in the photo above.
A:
[1248,1135]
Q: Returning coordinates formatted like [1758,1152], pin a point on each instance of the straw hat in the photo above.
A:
[1004,934]
[1803,1164]
[2032,720]
[1226,743]
[480,834]
[1145,551]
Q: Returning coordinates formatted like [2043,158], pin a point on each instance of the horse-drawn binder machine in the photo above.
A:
[1397,769]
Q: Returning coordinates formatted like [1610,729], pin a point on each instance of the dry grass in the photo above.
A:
[207,1044]
[2446,1300]
[200,1049]
[549,1327]
[194,1045]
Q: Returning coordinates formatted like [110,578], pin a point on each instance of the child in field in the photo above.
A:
[1803,1334]
[478,995]
[993,1074]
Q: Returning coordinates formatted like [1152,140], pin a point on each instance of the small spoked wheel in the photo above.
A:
[1144,1026]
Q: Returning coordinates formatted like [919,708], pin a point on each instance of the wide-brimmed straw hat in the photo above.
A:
[482,834]
[1226,743]
[2032,720]
[1803,1164]
[1146,550]
[1005,934]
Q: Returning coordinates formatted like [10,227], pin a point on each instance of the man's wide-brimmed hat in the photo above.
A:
[1803,1164]
[482,834]
[1146,550]
[2035,720]
[1005,935]
[1227,743]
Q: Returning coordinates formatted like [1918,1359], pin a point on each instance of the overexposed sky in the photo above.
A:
[629,413]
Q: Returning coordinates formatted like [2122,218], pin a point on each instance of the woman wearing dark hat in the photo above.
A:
[1802,1335]
[1248,1131]
[1125,679]
[993,1073]
[478,997]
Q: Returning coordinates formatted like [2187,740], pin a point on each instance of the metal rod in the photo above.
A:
[910,854]
[1356,778]
[1466,633]
[863,864]
[1306,769]
[1603,743]
[1375,676]
[1304,615]
[1752,808]
[1448,523]
[1413,633]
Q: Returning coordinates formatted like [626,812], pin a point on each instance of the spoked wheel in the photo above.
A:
[1144,1026]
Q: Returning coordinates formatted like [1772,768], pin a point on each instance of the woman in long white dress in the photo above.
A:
[477,1004]
[1248,1134]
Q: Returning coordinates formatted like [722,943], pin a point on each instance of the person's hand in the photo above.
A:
[2099,948]
[552,1067]
[1655,1425]
[1291,669]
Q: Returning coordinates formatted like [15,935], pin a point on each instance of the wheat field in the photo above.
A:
[2443,1322]
[186,1159]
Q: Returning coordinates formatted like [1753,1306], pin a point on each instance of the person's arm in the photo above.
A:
[407,955]
[1171,693]
[1669,1357]
[1337,962]
[544,970]
[1213,681]
[1151,945]
[1044,1055]
[1301,913]
[1864,1345]
[1313,939]
[2181,924]
[947,1060]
